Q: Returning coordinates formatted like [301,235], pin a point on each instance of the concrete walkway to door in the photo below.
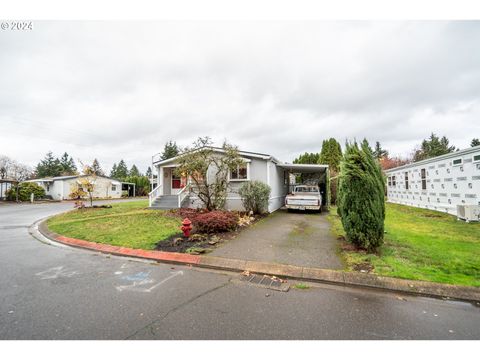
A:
[302,239]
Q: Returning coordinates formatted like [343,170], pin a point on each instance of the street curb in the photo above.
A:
[336,277]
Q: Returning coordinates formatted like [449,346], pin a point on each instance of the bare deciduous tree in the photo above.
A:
[208,170]
[19,173]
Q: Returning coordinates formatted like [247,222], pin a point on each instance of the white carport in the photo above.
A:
[312,174]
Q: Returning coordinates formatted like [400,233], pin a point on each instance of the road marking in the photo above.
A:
[137,285]
[55,272]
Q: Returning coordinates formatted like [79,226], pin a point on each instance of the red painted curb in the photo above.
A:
[123,251]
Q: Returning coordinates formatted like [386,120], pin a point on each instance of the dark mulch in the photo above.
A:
[178,243]
[363,267]
[349,247]
[95,207]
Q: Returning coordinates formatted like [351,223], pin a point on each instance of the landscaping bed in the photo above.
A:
[420,245]
[134,225]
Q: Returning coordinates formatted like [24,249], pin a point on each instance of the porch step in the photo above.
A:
[166,202]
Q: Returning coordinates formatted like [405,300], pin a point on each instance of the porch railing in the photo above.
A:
[183,194]
[152,195]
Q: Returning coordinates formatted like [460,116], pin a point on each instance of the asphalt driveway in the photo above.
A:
[297,238]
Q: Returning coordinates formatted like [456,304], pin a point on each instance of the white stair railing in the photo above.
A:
[152,195]
[182,195]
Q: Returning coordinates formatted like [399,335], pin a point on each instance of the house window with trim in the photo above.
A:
[457,162]
[406,180]
[178,182]
[240,173]
[114,187]
[424,179]
[389,181]
[394,181]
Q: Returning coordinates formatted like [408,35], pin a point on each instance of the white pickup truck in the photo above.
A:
[304,197]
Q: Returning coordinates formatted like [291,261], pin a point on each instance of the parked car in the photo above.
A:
[304,197]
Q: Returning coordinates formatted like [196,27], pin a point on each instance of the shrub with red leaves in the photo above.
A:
[215,221]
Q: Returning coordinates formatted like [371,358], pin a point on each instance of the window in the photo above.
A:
[394,181]
[389,181]
[457,162]
[48,187]
[424,179]
[178,182]
[114,187]
[239,173]
[406,180]
[476,158]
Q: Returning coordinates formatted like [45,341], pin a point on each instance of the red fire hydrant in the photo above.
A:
[186,227]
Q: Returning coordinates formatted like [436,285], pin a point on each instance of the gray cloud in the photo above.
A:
[116,90]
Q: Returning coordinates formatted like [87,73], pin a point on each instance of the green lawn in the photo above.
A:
[128,224]
[422,245]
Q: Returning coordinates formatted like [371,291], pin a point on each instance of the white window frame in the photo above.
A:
[239,180]
[475,161]
[459,164]
[114,187]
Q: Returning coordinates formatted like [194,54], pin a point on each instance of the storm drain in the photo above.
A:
[265,281]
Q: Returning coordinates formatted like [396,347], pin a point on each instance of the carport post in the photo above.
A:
[327,188]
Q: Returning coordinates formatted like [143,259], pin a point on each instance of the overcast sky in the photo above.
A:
[120,90]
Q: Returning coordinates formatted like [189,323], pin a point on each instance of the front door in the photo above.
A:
[167,181]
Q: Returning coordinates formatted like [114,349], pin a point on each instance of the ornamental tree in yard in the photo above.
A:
[361,197]
[331,155]
[208,170]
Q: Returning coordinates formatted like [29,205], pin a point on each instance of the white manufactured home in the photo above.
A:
[60,187]
[173,191]
[439,183]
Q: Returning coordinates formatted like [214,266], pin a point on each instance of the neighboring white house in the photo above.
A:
[439,183]
[5,185]
[172,192]
[60,187]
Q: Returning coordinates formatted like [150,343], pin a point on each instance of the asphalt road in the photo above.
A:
[49,292]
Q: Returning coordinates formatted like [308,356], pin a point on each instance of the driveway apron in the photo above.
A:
[302,239]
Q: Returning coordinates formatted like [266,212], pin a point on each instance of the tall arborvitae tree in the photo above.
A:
[134,171]
[379,152]
[366,145]
[432,147]
[331,155]
[96,168]
[361,197]
[48,167]
[170,150]
[475,142]
[122,170]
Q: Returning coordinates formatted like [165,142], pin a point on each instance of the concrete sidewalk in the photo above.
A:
[297,238]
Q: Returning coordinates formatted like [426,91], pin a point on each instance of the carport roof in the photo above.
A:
[304,168]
